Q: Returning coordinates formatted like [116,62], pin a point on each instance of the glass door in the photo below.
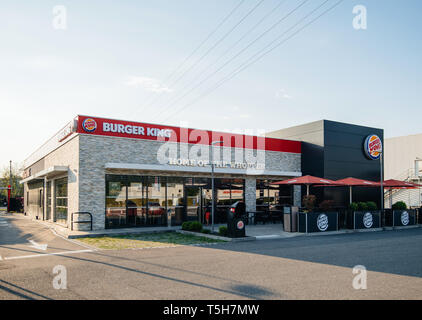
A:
[193,203]
[115,204]
[48,207]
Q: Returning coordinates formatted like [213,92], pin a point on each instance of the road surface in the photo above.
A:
[295,268]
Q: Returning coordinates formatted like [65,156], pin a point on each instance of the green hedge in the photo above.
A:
[192,226]
[222,231]
[363,206]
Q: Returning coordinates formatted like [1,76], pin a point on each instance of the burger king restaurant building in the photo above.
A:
[131,174]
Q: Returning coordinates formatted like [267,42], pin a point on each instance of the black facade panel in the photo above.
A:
[312,159]
[344,157]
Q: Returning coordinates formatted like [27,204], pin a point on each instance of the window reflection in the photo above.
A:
[148,200]
[272,197]
[61,200]
[175,200]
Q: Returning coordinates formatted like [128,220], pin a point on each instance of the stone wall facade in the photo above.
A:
[96,151]
[88,155]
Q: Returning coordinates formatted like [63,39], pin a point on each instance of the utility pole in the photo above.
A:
[212,183]
[10,174]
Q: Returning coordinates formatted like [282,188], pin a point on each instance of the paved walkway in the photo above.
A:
[22,238]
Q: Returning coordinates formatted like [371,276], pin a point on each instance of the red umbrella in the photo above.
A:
[353,182]
[392,184]
[307,181]
[397,184]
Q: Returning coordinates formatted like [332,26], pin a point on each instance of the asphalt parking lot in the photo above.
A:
[294,268]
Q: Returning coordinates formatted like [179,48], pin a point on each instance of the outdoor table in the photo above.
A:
[310,222]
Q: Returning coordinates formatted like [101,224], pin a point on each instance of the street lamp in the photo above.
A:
[212,182]
[382,185]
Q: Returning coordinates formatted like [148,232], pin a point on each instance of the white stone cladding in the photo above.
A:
[66,155]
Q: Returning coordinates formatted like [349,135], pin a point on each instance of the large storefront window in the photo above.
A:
[61,200]
[148,200]
[272,197]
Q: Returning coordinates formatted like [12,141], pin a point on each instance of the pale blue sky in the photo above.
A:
[98,66]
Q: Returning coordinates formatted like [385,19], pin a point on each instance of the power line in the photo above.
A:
[204,70]
[240,52]
[243,66]
[203,42]
[215,45]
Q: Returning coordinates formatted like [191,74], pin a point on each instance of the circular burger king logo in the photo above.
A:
[404,218]
[373,147]
[368,221]
[322,222]
[89,125]
[240,225]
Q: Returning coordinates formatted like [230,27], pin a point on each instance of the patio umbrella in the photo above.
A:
[307,181]
[354,182]
[397,184]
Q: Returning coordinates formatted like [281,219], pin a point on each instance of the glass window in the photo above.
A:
[137,202]
[156,205]
[175,200]
[48,212]
[61,200]
[272,197]
[148,200]
[115,204]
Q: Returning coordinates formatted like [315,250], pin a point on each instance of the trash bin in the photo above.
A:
[290,218]
[235,220]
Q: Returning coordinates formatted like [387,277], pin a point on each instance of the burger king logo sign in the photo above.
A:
[89,125]
[373,147]
[322,222]
[240,225]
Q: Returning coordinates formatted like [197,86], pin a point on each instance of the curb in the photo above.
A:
[359,231]
[211,236]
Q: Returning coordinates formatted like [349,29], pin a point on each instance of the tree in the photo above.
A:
[17,188]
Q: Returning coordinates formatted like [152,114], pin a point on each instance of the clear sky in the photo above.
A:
[113,59]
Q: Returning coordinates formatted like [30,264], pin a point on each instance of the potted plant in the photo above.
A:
[308,202]
[364,215]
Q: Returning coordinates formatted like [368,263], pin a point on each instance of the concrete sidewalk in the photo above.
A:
[259,231]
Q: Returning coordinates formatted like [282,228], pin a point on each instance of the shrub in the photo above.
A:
[372,206]
[354,206]
[192,226]
[207,231]
[187,226]
[362,206]
[400,205]
[196,226]
[309,202]
[222,231]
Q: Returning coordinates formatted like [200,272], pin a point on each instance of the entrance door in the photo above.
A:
[48,206]
[194,203]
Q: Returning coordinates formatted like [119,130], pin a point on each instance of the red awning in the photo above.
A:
[392,184]
[357,182]
[306,180]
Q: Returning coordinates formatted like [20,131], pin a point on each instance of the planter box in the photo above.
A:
[403,218]
[366,220]
[317,222]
